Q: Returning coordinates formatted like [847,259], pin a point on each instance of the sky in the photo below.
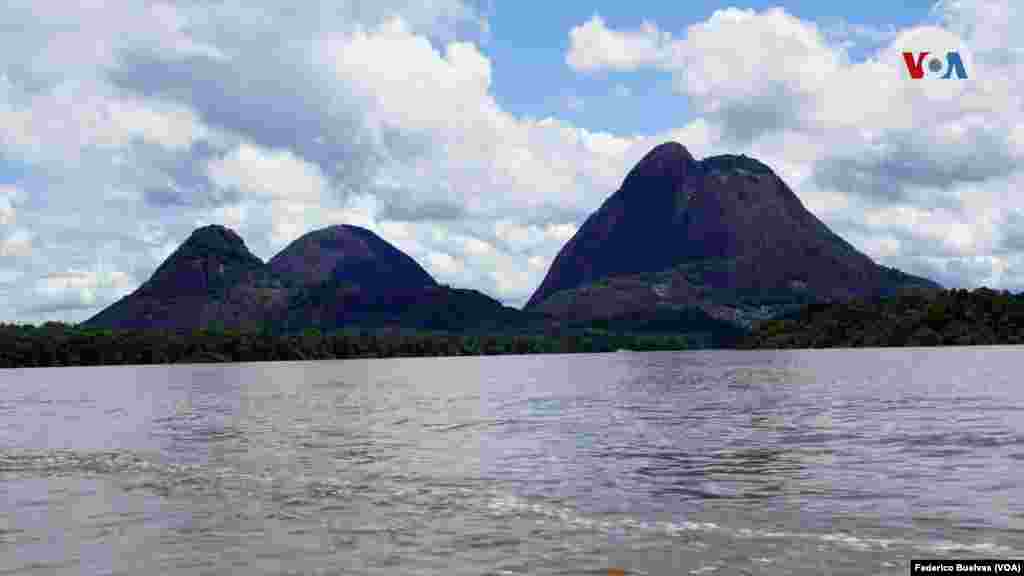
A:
[477,135]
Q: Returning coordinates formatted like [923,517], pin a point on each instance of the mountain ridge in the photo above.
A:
[348,253]
[211,278]
[722,241]
[731,212]
[329,278]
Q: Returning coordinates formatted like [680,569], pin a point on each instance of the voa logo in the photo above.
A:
[925,64]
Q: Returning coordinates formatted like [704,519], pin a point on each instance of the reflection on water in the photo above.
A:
[661,463]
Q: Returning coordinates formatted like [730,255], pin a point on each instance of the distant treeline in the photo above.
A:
[58,344]
[930,318]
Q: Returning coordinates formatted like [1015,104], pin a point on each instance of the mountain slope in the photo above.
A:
[348,276]
[334,304]
[724,234]
[341,276]
[348,254]
[212,279]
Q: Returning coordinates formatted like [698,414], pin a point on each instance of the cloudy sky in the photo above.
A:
[477,136]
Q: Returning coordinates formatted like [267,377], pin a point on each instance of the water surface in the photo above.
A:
[796,462]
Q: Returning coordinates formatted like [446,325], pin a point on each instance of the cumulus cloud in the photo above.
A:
[78,290]
[750,72]
[849,35]
[475,158]
[593,46]
[992,26]
[269,174]
[7,213]
[15,241]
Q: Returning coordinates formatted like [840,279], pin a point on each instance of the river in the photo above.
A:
[707,462]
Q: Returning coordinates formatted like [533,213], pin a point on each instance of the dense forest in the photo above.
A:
[924,318]
[57,344]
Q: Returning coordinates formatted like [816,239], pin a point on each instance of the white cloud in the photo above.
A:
[538,263]
[474,246]
[593,46]
[517,236]
[282,197]
[17,243]
[993,26]
[232,216]
[847,35]
[750,72]
[560,232]
[75,115]
[79,289]
[360,210]
[514,282]
[268,174]
[726,60]
[7,212]
[475,158]
[445,265]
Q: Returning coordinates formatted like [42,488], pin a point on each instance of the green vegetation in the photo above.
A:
[57,344]
[692,323]
[923,318]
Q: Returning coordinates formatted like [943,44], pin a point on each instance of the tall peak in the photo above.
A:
[213,243]
[218,238]
[214,230]
[667,152]
[667,162]
[728,211]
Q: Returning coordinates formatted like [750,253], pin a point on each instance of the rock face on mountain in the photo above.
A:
[684,245]
[345,276]
[336,277]
[349,254]
[332,305]
[724,234]
[212,279]
[348,276]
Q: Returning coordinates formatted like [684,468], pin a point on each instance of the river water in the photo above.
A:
[711,462]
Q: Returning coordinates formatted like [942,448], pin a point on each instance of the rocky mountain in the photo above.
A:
[348,276]
[702,247]
[212,279]
[349,254]
[336,277]
[724,234]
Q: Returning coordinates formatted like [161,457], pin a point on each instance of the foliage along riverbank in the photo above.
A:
[929,318]
[56,344]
